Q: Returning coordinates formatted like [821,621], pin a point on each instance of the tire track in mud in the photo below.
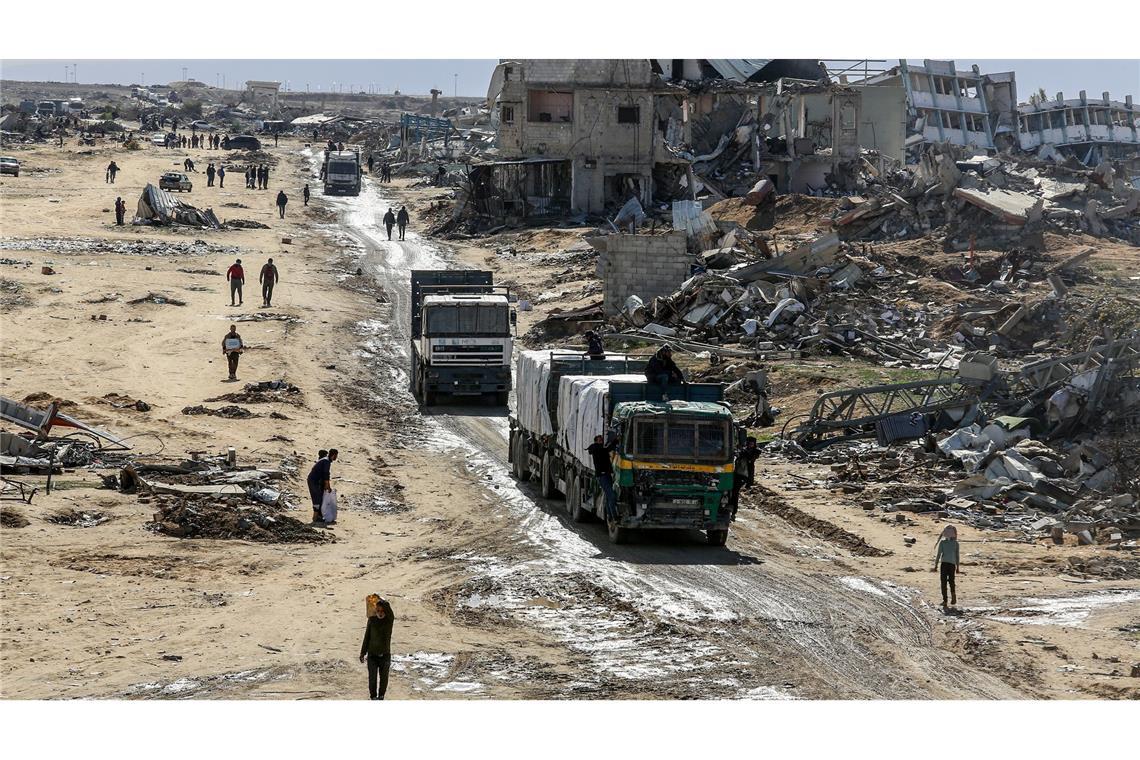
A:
[667,617]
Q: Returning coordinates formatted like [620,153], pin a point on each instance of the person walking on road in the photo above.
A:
[604,470]
[389,222]
[376,649]
[370,163]
[268,278]
[112,170]
[305,194]
[319,480]
[210,172]
[236,276]
[120,211]
[232,347]
[402,220]
[221,176]
[946,561]
[282,199]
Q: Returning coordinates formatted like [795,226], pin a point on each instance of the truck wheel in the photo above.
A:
[522,464]
[549,491]
[618,534]
[717,537]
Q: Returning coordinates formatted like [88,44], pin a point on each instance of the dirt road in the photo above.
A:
[667,615]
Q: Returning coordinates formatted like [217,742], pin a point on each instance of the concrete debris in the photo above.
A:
[162,208]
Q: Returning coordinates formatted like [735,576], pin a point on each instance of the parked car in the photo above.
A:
[9,165]
[202,126]
[243,142]
[175,181]
[158,139]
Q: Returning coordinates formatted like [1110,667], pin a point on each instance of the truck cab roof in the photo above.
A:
[465,298]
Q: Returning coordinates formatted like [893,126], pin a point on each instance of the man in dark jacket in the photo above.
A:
[600,454]
[744,471]
[320,480]
[376,649]
[305,194]
[120,211]
[402,220]
[232,346]
[282,199]
[268,278]
[210,172]
[594,346]
[221,176]
[662,370]
[389,222]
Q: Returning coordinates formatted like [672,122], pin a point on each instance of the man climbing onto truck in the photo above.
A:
[604,470]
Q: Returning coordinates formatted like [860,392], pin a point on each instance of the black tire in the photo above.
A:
[521,460]
[580,513]
[549,490]
[618,534]
[511,453]
[502,398]
[717,537]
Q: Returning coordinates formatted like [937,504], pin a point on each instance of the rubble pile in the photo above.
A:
[231,518]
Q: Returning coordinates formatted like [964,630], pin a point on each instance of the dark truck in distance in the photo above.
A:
[341,172]
[674,450]
[461,328]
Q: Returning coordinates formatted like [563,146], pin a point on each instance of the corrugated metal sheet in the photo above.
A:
[737,69]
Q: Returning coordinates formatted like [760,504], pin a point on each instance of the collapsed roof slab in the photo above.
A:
[1008,206]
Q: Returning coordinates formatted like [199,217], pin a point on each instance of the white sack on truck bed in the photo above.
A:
[532,378]
[581,411]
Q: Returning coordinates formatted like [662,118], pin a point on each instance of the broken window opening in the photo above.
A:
[629,114]
[508,114]
[550,106]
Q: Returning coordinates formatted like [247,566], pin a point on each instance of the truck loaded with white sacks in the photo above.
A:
[673,446]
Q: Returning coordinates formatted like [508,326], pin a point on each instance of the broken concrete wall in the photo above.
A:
[643,265]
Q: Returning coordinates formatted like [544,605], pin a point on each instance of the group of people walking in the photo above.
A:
[399,220]
[257,177]
[268,278]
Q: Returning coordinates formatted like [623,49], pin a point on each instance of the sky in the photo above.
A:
[412,77]
[418,77]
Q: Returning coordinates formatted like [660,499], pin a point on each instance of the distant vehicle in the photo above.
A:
[9,165]
[175,181]
[159,139]
[342,173]
[243,142]
[202,125]
[46,108]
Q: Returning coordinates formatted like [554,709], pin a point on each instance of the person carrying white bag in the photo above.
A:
[321,490]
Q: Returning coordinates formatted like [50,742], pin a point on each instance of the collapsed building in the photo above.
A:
[969,108]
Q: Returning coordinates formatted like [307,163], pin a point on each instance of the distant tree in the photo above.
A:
[1038,97]
[192,108]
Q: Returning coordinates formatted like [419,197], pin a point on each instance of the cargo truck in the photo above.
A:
[461,332]
[341,172]
[674,445]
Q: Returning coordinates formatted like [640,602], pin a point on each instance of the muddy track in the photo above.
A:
[666,616]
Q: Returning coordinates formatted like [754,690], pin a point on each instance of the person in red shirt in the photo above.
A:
[236,275]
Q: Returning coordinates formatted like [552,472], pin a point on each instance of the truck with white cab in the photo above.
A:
[462,335]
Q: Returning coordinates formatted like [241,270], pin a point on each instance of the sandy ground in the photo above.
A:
[496,593]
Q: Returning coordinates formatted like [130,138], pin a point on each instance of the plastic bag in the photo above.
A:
[328,507]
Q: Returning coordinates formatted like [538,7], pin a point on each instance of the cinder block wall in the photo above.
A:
[643,265]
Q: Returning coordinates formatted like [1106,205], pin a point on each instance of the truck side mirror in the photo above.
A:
[514,317]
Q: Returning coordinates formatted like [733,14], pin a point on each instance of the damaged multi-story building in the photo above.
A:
[969,108]
[576,136]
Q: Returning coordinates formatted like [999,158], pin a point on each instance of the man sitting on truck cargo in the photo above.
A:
[662,370]
[600,453]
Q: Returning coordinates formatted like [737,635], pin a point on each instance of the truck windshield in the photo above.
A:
[342,167]
[681,438]
[468,320]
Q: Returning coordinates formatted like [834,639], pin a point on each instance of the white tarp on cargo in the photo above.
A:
[532,376]
[581,410]
[532,379]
